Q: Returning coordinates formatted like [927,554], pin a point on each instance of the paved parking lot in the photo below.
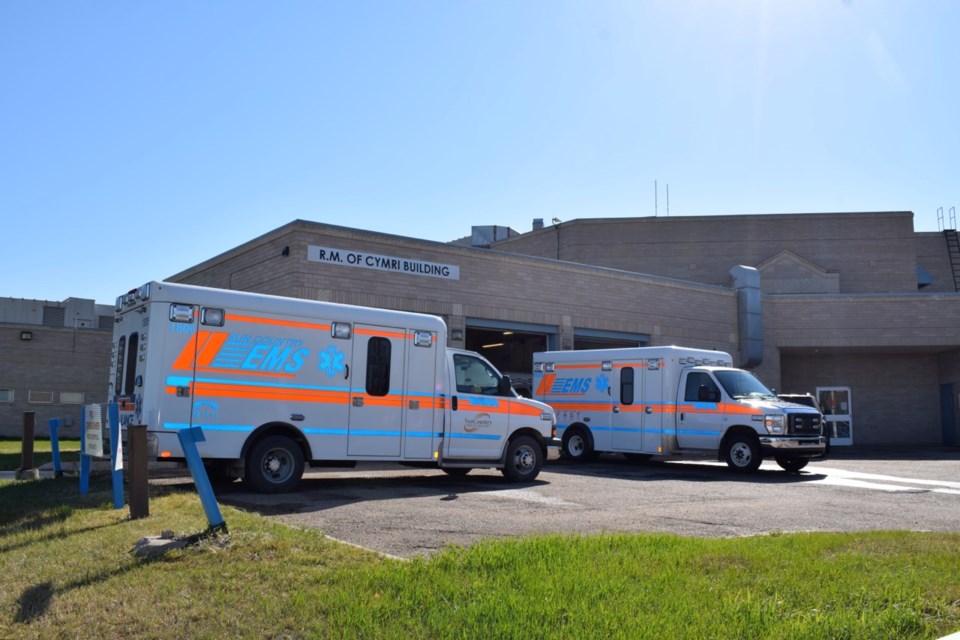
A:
[406,512]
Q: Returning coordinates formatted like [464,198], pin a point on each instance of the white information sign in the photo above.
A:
[93,430]
[394,264]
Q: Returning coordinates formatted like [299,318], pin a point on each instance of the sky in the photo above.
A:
[138,139]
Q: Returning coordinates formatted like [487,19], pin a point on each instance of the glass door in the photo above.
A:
[838,413]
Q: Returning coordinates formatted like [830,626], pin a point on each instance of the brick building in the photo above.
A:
[54,358]
[856,308]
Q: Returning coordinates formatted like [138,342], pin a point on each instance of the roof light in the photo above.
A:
[422,338]
[341,330]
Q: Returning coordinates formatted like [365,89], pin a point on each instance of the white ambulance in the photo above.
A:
[279,382]
[670,401]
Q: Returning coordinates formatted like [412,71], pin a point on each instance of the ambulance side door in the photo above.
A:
[376,392]
[699,412]
[479,417]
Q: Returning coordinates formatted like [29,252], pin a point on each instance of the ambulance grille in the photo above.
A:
[804,424]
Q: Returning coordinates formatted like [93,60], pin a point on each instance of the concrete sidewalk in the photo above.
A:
[97,466]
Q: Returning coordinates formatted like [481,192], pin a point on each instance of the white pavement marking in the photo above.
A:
[880,482]
[527,495]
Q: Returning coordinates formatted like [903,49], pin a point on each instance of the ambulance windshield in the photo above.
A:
[740,384]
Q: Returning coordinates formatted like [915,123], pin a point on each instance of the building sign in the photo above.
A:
[92,431]
[363,260]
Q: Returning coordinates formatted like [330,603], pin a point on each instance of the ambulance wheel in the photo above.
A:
[274,465]
[742,453]
[524,459]
[792,464]
[577,445]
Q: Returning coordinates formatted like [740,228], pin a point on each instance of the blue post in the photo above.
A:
[84,458]
[55,446]
[188,442]
[116,455]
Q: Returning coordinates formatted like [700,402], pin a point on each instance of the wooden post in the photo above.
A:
[27,471]
[139,487]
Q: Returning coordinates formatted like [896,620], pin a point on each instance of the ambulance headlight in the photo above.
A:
[774,424]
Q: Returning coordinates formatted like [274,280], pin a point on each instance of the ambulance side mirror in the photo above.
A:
[504,387]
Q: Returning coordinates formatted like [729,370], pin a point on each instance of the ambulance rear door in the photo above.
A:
[377,391]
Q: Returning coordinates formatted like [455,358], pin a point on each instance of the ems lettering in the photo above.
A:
[571,385]
[274,359]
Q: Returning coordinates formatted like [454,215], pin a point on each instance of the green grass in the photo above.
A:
[68,572]
[11,453]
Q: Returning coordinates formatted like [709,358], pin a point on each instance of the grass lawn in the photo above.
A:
[10,452]
[69,572]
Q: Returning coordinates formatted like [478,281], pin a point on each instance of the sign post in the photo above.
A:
[116,455]
[91,442]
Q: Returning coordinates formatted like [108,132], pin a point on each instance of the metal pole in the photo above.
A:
[27,471]
[84,458]
[55,446]
[116,455]
[139,493]
[188,442]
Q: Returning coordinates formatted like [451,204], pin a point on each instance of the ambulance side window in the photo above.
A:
[378,367]
[700,388]
[131,372]
[121,356]
[474,376]
[626,385]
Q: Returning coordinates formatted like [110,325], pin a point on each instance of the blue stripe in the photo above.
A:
[185,381]
[473,436]
[696,432]
[316,431]
[208,427]
[481,402]
[667,430]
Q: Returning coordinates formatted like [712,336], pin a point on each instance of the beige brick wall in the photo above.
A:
[933,255]
[492,285]
[894,397]
[872,252]
[54,360]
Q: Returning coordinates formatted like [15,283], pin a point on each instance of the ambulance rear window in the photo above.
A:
[626,385]
[378,367]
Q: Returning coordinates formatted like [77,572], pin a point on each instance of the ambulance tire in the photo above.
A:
[524,459]
[793,465]
[274,465]
[577,445]
[742,453]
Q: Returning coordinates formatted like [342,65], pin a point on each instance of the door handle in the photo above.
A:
[616,409]
[346,374]
[648,410]
[453,403]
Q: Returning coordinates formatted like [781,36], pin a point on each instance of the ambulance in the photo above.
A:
[672,401]
[279,383]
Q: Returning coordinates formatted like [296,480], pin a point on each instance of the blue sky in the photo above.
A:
[140,138]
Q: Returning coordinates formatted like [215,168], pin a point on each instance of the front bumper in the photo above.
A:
[793,447]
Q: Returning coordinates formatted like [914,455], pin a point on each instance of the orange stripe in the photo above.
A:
[241,372]
[522,409]
[185,359]
[279,323]
[385,334]
[210,348]
[546,383]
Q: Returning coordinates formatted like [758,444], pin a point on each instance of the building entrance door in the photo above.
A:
[838,414]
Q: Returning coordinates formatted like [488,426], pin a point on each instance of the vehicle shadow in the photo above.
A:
[655,469]
[319,492]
